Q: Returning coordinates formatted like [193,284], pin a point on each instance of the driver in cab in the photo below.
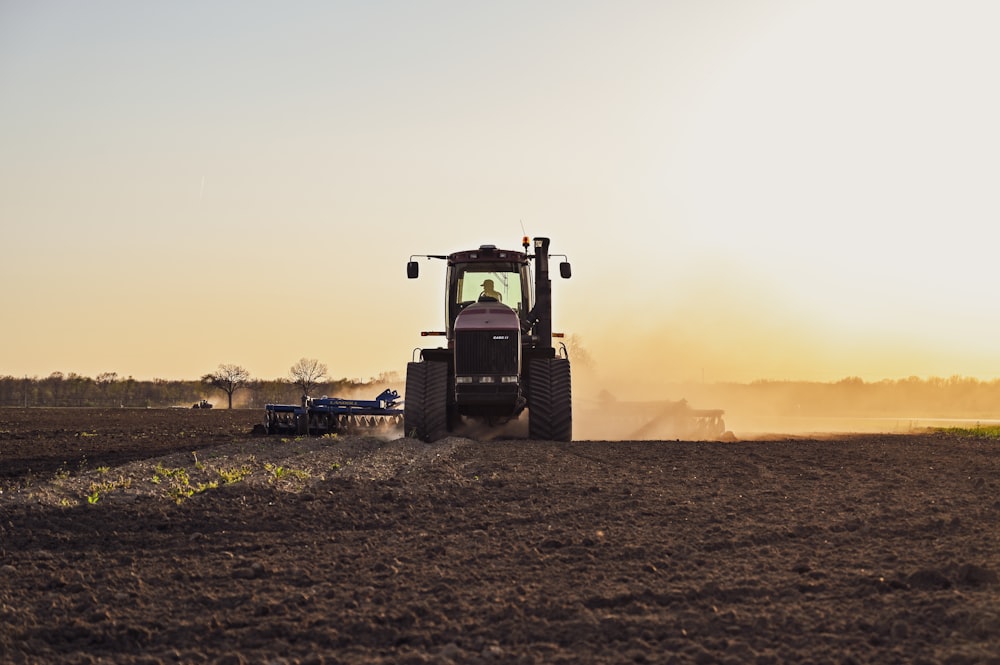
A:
[489,291]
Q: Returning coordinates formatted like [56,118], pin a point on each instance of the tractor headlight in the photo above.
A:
[486,379]
[508,379]
[463,379]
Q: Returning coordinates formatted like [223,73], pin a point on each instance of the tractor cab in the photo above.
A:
[487,275]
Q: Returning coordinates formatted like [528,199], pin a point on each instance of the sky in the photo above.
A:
[780,190]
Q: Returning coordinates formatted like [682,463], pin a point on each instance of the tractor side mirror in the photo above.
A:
[412,269]
[564,270]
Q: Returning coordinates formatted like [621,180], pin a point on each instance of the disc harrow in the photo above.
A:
[334,415]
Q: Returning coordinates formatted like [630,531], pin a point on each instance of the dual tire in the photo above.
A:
[425,408]
[550,400]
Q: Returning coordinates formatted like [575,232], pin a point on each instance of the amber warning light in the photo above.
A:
[432,333]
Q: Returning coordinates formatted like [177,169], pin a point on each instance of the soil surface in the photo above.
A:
[174,536]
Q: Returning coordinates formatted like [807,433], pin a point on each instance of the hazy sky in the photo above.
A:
[746,190]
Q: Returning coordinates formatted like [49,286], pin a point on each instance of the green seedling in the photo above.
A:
[279,472]
[178,493]
[234,475]
[276,471]
[178,479]
[96,489]
[179,474]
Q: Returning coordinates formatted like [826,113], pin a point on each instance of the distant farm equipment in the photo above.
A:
[203,404]
[654,420]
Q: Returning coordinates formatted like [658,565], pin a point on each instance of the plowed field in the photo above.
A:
[173,536]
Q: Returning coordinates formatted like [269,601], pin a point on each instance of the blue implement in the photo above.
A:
[334,415]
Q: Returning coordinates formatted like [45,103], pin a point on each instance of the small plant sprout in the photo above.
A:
[279,472]
[276,471]
[178,493]
[234,475]
[179,482]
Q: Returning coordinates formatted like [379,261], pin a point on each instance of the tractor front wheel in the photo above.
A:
[425,404]
[550,401]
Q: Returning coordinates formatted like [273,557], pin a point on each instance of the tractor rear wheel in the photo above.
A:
[425,404]
[550,401]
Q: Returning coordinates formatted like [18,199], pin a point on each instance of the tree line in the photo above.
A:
[229,386]
[945,397]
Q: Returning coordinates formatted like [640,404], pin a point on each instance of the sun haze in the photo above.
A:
[767,190]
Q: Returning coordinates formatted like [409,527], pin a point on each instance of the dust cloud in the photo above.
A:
[771,407]
[620,388]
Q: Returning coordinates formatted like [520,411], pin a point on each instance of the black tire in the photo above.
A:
[550,400]
[425,404]
[413,399]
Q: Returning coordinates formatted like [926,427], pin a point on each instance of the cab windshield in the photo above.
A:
[502,281]
[504,287]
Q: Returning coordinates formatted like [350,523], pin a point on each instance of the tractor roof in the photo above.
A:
[487,253]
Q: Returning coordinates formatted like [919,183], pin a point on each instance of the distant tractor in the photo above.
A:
[499,359]
[203,404]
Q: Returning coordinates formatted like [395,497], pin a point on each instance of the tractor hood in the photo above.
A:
[487,316]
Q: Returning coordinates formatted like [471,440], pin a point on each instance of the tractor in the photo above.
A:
[499,359]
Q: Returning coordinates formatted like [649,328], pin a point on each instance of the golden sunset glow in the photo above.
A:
[745,190]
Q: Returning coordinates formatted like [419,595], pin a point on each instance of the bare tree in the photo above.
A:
[228,379]
[307,373]
[106,382]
